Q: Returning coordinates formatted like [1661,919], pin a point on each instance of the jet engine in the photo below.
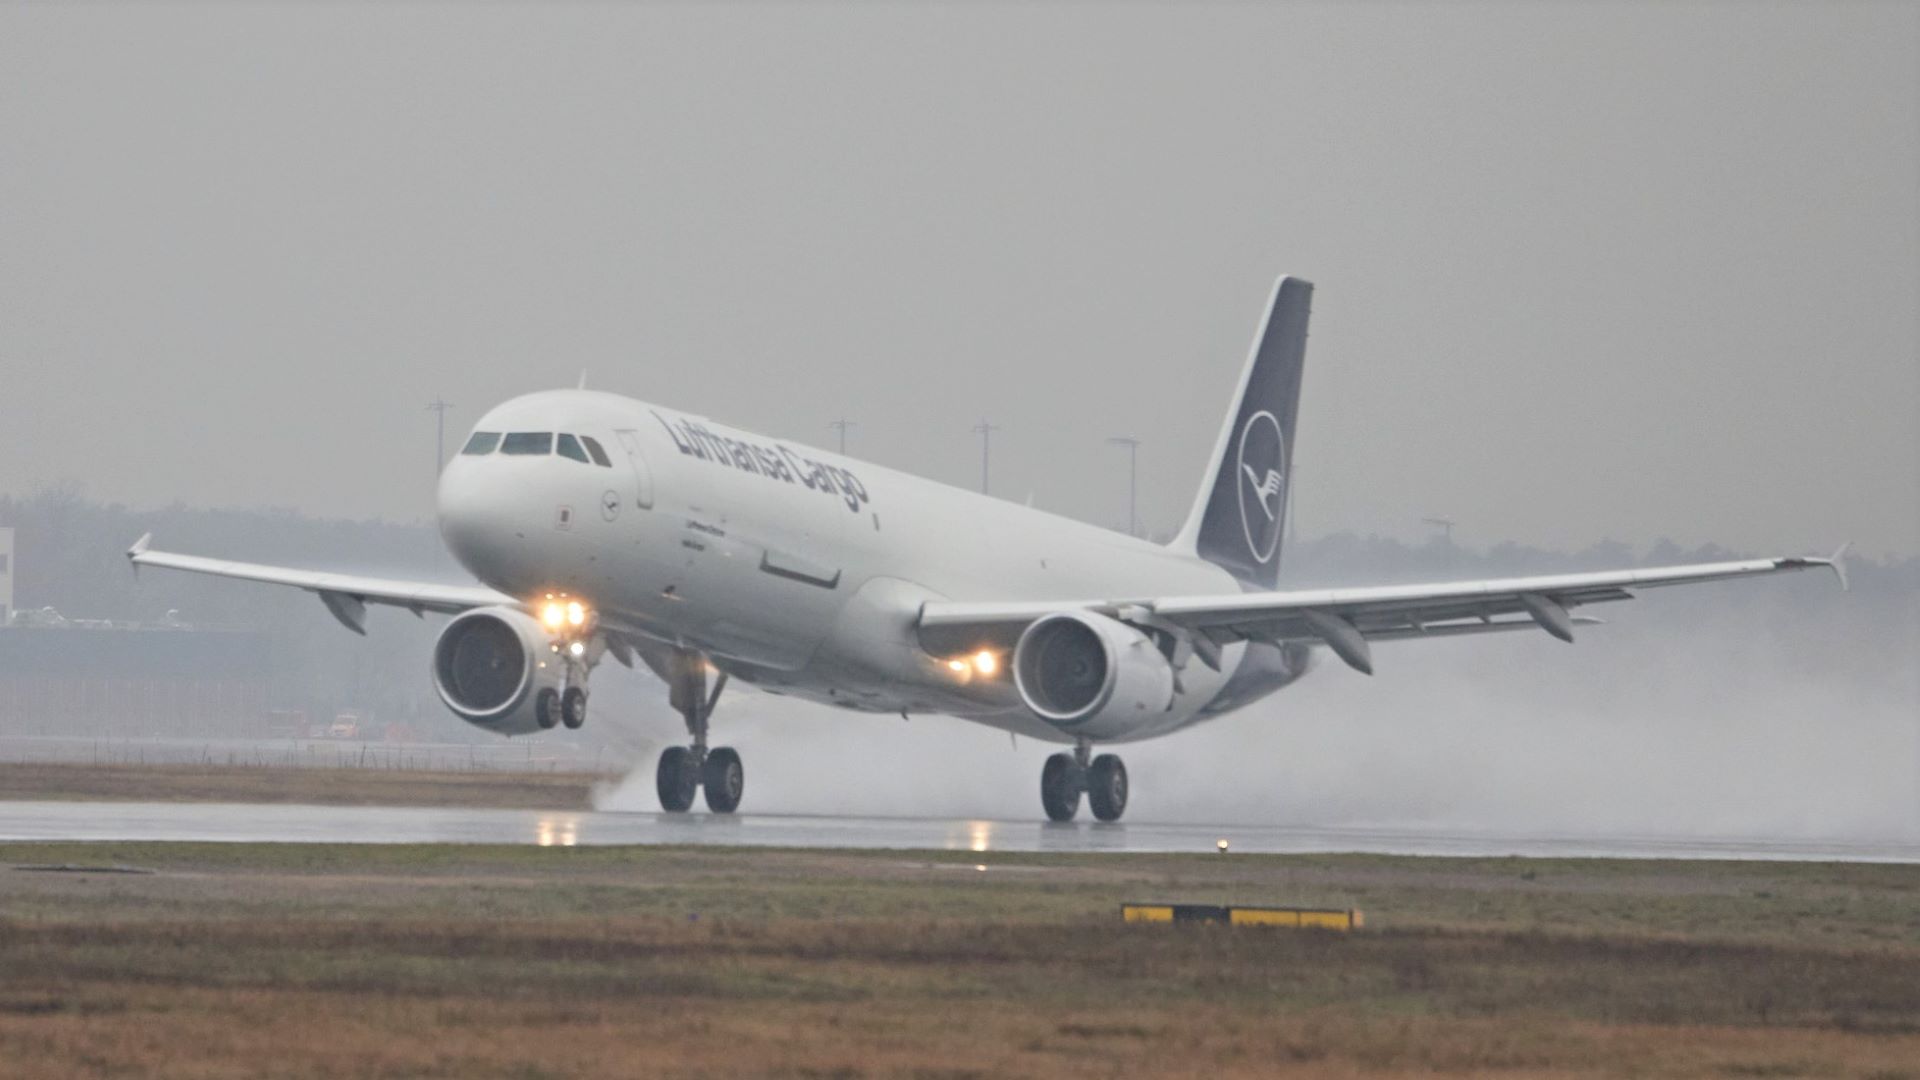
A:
[495,668]
[1087,674]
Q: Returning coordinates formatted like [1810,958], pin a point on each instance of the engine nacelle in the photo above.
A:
[1087,674]
[491,665]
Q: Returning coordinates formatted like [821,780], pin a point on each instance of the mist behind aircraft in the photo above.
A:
[1794,713]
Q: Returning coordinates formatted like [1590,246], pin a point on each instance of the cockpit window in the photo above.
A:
[570,448]
[599,456]
[529,443]
[482,442]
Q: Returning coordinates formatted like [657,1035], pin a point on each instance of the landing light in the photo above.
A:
[558,614]
[578,648]
[985,662]
[958,667]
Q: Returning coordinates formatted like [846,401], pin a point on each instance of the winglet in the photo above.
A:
[1837,562]
[138,549]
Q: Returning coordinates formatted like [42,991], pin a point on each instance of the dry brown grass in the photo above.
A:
[193,1032]
[315,786]
[235,960]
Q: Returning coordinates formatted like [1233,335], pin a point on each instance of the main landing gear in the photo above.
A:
[1066,776]
[686,768]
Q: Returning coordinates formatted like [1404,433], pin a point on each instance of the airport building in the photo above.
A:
[114,679]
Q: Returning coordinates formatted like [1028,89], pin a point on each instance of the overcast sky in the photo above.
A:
[1583,271]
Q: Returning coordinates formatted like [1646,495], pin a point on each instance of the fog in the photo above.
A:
[1781,707]
[1626,270]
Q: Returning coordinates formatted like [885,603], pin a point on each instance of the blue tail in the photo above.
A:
[1241,512]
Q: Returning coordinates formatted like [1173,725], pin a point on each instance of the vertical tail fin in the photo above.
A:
[1241,511]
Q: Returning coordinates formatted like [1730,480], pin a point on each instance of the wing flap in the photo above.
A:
[1409,633]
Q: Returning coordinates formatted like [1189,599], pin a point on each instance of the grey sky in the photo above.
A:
[1583,271]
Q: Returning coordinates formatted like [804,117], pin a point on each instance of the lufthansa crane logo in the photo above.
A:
[1262,484]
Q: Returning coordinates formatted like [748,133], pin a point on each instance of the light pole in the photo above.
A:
[1133,479]
[439,409]
[842,425]
[985,431]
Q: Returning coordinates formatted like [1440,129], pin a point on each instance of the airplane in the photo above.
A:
[602,526]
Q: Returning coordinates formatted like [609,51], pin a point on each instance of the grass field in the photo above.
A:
[279,784]
[323,961]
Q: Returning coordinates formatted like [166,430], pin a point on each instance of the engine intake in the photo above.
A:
[490,666]
[1091,675]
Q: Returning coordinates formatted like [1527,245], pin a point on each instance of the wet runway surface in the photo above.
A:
[399,825]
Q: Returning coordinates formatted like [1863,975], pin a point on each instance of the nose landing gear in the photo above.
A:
[573,707]
[1065,777]
[683,769]
[568,706]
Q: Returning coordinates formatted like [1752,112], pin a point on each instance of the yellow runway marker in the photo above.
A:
[1237,915]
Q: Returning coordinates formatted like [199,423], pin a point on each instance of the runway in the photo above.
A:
[277,823]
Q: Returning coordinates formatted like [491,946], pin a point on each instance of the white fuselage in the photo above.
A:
[791,567]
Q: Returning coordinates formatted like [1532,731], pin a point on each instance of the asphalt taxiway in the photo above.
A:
[231,822]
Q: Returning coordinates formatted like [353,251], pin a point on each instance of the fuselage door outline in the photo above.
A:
[642,476]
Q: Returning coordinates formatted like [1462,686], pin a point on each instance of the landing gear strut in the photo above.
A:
[1066,777]
[683,769]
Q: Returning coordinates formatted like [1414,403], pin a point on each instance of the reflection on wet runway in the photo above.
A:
[420,825]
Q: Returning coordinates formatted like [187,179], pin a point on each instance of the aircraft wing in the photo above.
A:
[345,595]
[1346,620]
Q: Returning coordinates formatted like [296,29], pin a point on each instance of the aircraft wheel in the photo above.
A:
[1107,787]
[1060,784]
[573,707]
[544,711]
[724,778]
[676,778]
